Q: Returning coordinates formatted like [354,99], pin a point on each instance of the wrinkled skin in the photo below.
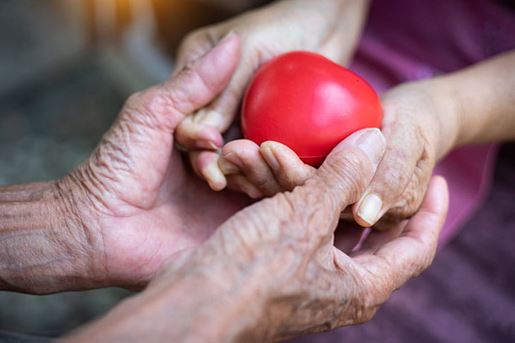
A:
[134,197]
[272,271]
[420,128]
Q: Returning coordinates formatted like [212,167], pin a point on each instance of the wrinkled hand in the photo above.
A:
[312,285]
[272,271]
[420,126]
[329,27]
[134,200]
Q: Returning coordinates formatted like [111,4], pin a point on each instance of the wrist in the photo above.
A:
[80,222]
[43,247]
[448,111]
[205,299]
[443,116]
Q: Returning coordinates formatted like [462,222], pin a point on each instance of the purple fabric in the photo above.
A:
[410,40]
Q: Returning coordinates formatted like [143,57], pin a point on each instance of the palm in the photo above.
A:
[185,212]
[149,206]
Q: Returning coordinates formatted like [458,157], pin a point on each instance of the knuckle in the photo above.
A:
[263,182]
[349,170]
[247,152]
[181,92]
[290,179]
[394,175]
[230,147]
[310,217]
[195,42]
[411,199]
[364,307]
[150,108]
[184,88]
[406,207]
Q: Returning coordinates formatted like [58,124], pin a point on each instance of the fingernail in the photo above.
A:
[369,208]
[372,142]
[227,167]
[270,158]
[214,177]
[207,144]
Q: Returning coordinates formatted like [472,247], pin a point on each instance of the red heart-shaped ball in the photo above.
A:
[309,103]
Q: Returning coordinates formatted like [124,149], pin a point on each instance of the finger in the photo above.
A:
[339,182]
[196,44]
[309,214]
[409,202]
[240,183]
[349,168]
[407,256]
[245,155]
[199,82]
[142,136]
[287,167]
[220,113]
[192,136]
[205,164]
[401,161]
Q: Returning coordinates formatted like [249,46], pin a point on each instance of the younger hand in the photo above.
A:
[329,27]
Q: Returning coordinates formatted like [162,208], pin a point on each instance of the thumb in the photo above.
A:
[349,168]
[309,214]
[195,45]
[204,129]
[201,80]
[136,150]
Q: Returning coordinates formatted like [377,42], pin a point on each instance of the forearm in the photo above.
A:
[206,302]
[484,97]
[42,247]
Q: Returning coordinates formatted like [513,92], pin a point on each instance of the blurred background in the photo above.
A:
[66,67]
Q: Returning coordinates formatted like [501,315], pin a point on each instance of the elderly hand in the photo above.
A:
[329,27]
[136,201]
[272,271]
